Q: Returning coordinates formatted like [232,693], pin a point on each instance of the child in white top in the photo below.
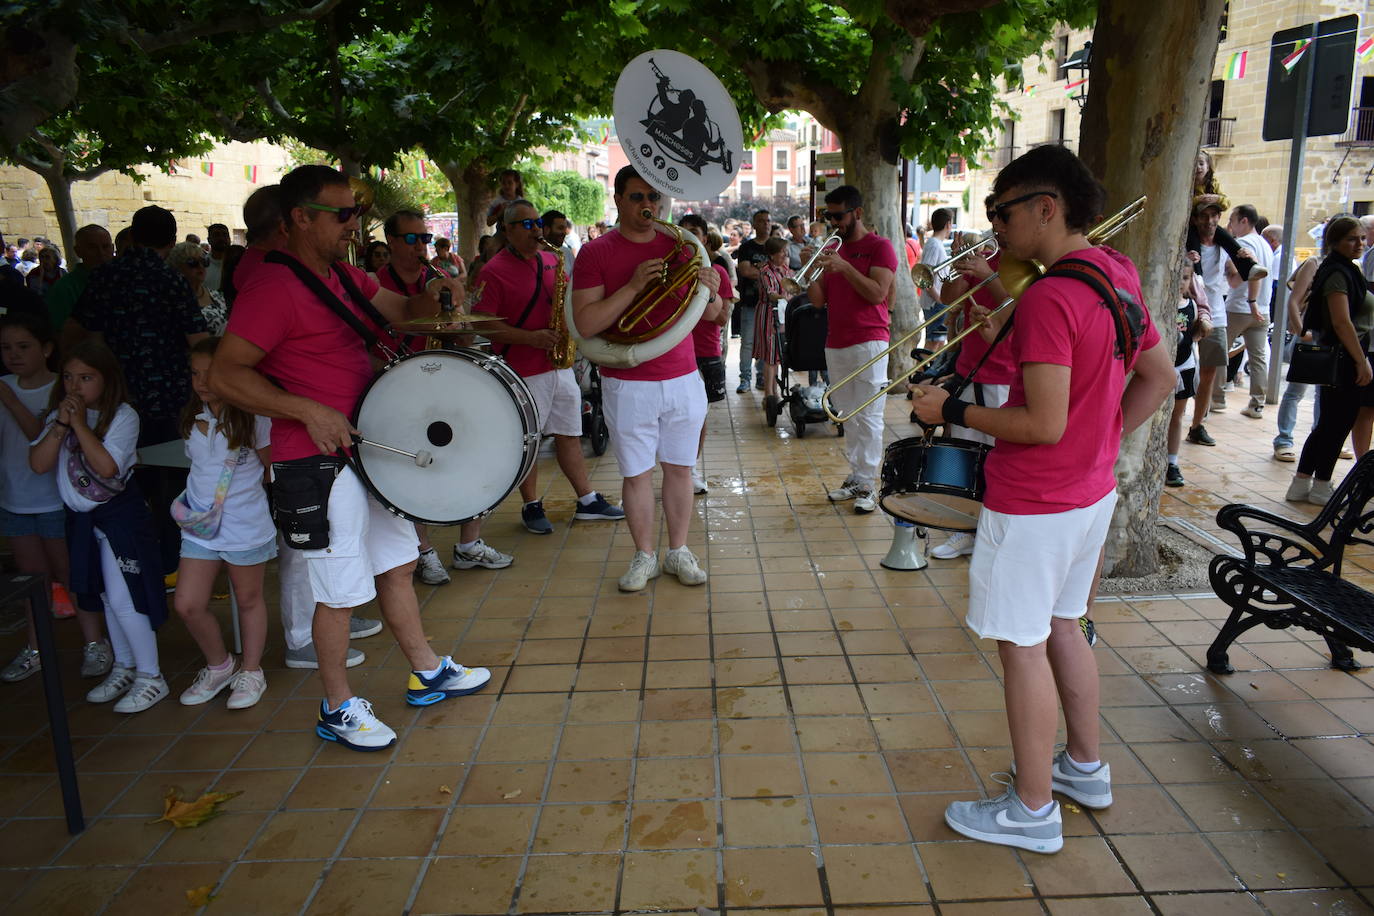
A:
[91,441]
[31,512]
[229,451]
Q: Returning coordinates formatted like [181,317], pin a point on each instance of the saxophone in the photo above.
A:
[565,350]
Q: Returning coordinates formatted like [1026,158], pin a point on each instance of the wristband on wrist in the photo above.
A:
[1251,300]
[952,410]
[60,423]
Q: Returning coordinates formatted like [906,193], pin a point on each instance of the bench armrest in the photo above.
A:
[1303,548]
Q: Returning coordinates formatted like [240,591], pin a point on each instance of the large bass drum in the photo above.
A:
[936,482]
[468,410]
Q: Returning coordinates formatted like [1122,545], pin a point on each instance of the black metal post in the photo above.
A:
[39,594]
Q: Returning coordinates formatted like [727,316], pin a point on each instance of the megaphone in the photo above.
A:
[907,551]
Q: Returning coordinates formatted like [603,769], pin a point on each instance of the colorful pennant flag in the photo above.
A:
[250,173]
[1292,59]
[605,133]
[758,135]
[208,168]
[1235,66]
[1366,49]
[421,169]
[1076,83]
[1031,90]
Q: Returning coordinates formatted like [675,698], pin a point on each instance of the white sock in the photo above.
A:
[465,548]
[1091,767]
[531,502]
[435,673]
[426,550]
[224,666]
[1038,812]
[1173,459]
[587,498]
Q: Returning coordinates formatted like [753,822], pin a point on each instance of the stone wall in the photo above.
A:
[197,199]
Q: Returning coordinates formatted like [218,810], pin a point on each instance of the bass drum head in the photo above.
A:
[468,410]
[934,510]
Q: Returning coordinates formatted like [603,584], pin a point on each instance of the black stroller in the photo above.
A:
[594,427]
[801,345]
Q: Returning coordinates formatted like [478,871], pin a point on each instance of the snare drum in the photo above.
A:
[936,482]
[470,411]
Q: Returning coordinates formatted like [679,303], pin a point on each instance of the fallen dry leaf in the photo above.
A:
[512,794]
[200,896]
[1073,808]
[181,813]
[446,790]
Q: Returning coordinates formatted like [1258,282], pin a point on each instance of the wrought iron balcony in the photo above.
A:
[1216,133]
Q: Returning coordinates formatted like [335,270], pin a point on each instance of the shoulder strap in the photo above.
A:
[326,296]
[529,306]
[1129,319]
[1001,336]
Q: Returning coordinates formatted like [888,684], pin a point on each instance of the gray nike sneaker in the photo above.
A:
[1091,790]
[1004,820]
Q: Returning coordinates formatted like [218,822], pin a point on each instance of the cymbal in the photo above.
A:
[453,323]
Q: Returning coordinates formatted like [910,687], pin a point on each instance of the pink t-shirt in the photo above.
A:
[1063,322]
[390,278]
[706,335]
[609,261]
[853,319]
[248,265]
[310,351]
[1000,369]
[509,282]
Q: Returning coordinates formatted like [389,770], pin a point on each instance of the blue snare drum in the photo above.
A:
[936,482]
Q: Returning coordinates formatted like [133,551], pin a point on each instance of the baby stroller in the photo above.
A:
[594,427]
[801,344]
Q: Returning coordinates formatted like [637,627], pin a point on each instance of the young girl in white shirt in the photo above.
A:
[91,441]
[224,520]
[31,511]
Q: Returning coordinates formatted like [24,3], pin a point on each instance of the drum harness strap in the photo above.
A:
[534,297]
[335,305]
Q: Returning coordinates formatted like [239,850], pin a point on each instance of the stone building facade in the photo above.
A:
[1339,170]
[197,198]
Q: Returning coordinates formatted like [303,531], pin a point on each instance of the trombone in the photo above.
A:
[925,276]
[810,271]
[1016,275]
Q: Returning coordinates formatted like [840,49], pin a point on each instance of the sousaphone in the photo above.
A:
[679,129]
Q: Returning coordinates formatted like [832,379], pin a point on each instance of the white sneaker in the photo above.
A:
[354,726]
[249,686]
[26,664]
[96,658]
[682,563]
[1298,489]
[851,488]
[643,567]
[116,684]
[144,693]
[958,544]
[1320,494]
[698,482]
[1253,411]
[208,684]
[481,554]
[864,502]
[430,569]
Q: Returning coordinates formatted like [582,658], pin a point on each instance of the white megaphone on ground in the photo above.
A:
[908,548]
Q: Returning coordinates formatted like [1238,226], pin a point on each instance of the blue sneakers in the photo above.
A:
[354,726]
[598,510]
[534,519]
[453,680]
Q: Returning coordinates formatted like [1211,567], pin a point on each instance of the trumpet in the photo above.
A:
[1016,275]
[925,276]
[681,278]
[810,272]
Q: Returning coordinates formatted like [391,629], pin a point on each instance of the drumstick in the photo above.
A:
[423,458]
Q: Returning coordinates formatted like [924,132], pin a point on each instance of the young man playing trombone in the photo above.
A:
[854,283]
[654,410]
[1050,487]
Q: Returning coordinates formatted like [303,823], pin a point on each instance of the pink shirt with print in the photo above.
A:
[310,351]
[1061,321]
[853,319]
[609,262]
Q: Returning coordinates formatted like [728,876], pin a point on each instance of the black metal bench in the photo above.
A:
[1291,573]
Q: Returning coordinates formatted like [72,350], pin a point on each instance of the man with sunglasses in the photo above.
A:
[409,273]
[289,356]
[854,286]
[518,285]
[656,409]
[1051,487]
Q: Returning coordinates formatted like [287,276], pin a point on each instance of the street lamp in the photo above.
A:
[1080,60]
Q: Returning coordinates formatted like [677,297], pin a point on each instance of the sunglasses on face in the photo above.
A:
[836,215]
[343,213]
[1000,211]
[527,223]
[410,238]
[198,262]
[638,196]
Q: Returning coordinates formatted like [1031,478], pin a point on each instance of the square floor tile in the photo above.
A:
[771,877]
[568,883]
[668,880]
[873,874]
[484,886]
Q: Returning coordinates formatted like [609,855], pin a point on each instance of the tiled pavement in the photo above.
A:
[782,741]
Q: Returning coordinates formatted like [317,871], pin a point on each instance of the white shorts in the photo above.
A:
[1029,568]
[365,540]
[558,401]
[992,396]
[651,422]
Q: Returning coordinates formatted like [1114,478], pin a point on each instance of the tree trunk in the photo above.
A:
[60,189]
[870,164]
[472,192]
[1151,65]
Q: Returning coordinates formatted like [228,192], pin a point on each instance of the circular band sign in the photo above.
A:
[677,125]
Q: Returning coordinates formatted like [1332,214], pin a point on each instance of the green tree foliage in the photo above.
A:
[582,200]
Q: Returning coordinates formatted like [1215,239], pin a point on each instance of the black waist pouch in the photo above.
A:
[712,369]
[300,499]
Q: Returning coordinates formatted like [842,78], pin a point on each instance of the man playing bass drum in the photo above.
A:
[655,410]
[1050,487]
[518,284]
